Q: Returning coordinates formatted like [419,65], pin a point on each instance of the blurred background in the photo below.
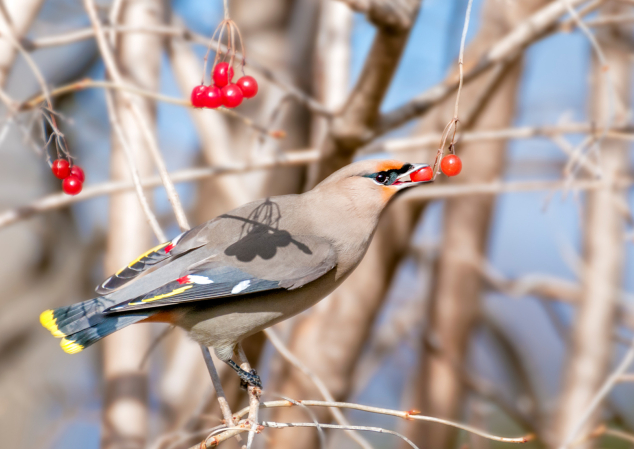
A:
[502,298]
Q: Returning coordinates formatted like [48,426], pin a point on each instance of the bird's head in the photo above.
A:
[373,182]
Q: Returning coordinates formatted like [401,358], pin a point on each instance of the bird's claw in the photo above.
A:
[249,378]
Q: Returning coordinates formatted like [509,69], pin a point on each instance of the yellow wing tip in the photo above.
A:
[145,254]
[70,347]
[50,323]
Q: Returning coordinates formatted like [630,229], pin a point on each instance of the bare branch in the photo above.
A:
[114,72]
[176,32]
[58,200]
[321,386]
[534,28]
[134,172]
[397,15]
[411,415]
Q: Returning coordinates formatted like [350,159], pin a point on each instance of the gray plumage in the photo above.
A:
[245,270]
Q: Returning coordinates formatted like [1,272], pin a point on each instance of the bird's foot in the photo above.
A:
[250,378]
[246,378]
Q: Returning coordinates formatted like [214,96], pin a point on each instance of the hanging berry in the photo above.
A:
[212,98]
[248,85]
[78,173]
[198,96]
[223,92]
[72,185]
[231,96]
[222,74]
[451,165]
[61,168]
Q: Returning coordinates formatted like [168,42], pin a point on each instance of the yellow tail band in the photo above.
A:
[49,322]
[70,347]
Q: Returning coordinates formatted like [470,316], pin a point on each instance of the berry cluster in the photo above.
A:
[73,176]
[224,92]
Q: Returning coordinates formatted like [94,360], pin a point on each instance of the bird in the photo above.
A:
[244,270]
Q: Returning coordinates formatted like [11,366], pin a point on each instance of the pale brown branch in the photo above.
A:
[88,83]
[321,386]
[605,389]
[276,425]
[411,415]
[113,70]
[56,201]
[406,144]
[355,124]
[176,32]
[134,172]
[254,399]
[535,27]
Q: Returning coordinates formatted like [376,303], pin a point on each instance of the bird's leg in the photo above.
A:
[247,378]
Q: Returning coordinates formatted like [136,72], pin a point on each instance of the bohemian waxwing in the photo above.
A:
[245,270]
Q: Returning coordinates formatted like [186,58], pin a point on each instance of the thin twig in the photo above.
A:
[408,415]
[183,33]
[276,425]
[134,171]
[88,83]
[114,72]
[321,386]
[430,192]
[605,389]
[254,398]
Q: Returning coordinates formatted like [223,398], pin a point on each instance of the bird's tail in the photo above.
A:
[82,324]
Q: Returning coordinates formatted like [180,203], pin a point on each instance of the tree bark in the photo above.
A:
[590,346]
[454,305]
[344,319]
[138,56]
[351,128]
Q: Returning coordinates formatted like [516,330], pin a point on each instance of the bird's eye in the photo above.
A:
[381,178]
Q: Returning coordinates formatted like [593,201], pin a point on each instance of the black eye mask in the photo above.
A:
[387,177]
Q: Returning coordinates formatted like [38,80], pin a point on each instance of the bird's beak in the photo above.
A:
[405,179]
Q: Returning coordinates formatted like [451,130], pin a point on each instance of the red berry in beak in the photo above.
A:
[231,96]
[71,185]
[421,175]
[451,165]
[248,85]
[223,74]
[61,168]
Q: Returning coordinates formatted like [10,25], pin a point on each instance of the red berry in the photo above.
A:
[248,85]
[212,98]
[423,174]
[451,165]
[223,74]
[61,168]
[231,96]
[198,96]
[71,185]
[78,173]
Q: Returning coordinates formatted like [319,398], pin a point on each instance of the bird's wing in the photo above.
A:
[182,244]
[247,266]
